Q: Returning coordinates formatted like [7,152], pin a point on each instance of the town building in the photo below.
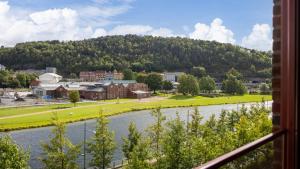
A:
[93,76]
[92,90]
[171,76]
[51,78]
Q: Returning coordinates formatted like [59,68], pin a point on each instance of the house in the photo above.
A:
[100,75]
[50,78]
[2,67]
[171,76]
[54,90]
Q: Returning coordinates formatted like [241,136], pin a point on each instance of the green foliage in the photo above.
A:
[8,79]
[140,155]
[167,85]
[59,153]
[131,141]
[198,71]
[11,155]
[128,74]
[141,77]
[207,84]
[233,84]
[154,81]
[264,88]
[74,97]
[139,53]
[188,85]
[156,133]
[174,144]
[102,144]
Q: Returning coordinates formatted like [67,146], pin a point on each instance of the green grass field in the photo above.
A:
[28,117]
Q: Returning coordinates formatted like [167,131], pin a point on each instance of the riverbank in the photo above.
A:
[30,117]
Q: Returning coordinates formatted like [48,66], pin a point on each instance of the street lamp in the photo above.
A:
[84,143]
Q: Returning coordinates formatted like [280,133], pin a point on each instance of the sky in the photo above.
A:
[247,23]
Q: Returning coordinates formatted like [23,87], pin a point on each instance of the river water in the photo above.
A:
[30,139]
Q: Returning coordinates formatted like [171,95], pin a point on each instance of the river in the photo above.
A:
[31,139]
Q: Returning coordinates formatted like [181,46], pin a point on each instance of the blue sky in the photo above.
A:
[241,22]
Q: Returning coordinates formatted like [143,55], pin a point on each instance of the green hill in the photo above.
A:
[138,53]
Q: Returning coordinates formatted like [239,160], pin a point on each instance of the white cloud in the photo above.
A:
[99,32]
[260,38]
[215,31]
[105,12]
[52,24]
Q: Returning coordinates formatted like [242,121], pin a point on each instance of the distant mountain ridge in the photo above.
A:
[140,53]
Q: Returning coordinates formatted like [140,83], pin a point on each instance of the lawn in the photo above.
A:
[18,118]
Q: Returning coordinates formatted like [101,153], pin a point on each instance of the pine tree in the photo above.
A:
[60,153]
[140,155]
[132,140]
[155,132]
[174,144]
[102,145]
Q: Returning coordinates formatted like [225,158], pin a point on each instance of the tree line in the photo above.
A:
[165,144]
[138,53]
[10,79]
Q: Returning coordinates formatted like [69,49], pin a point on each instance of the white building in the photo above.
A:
[2,67]
[50,78]
[171,76]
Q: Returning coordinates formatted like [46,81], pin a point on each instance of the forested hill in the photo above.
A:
[138,53]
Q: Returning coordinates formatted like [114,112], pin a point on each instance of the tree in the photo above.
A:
[128,74]
[131,141]
[59,153]
[264,88]
[154,81]
[195,124]
[234,72]
[22,78]
[232,85]
[188,85]
[141,77]
[198,71]
[174,144]
[207,84]
[102,144]
[140,155]
[155,132]
[11,155]
[74,97]
[167,85]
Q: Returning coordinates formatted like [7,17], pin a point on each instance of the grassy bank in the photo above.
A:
[20,118]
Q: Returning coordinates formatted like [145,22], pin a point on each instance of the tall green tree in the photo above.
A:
[167,85]
[156,134]
[207,84]
[198,71]
[74,97]
[140,155]
[154,81]
[102,144]
[264,88]
[141,77]
[11,155]
[174,146]
[59,153]
[128,74]
[188,85]
[232,85]
[131,141]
